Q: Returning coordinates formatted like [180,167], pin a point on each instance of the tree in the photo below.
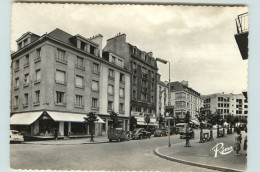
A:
[160,120]
[114,118]
[217,119]
[90,119]
[229,119]
[133,123]
[188,134]
[211,122]
[147,119]
[201,116]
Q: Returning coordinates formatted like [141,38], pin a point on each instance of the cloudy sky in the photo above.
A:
[198,41]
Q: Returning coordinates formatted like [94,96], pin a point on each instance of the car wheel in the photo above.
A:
[119,139]
[110,140]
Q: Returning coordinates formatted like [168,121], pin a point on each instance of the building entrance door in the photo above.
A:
[66,128]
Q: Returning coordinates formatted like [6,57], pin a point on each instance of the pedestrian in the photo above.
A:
[238,139]
[245,142]
[56,133]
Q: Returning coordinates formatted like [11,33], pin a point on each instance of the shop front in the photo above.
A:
[43,124]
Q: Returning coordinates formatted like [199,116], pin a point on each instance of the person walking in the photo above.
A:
[238,139]
[56,133]
[245,142]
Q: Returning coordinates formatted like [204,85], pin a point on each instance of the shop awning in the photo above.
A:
[140,121]
[70,117]
[24,118]
[195,122]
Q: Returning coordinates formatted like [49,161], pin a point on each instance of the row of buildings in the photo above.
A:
[57,78]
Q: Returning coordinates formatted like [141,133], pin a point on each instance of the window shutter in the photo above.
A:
[60,76]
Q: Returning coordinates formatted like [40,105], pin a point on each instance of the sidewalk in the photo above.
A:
[76,141]
[203,155]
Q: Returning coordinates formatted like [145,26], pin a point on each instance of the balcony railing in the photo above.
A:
[145,75]
[79,86]
[26,65]
[95,72]
[16,87]
[37,103]
[60,103]
[80,67]
[15,106]
[60,82]
[61,60]
[16,69]
[25,84]
[144,89]
[79,106]
[37,81]
[25,105]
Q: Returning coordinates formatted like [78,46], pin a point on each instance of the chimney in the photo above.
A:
[120,38]
[150,54]
[98,40]
[186,83]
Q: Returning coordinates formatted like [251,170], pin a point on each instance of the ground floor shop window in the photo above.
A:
[79,128]
[47,127]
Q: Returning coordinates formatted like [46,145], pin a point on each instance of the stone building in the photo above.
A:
[162,97]
[57,78]
[144,71]
[184,99]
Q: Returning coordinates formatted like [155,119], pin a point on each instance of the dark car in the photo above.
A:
[140,133]
[158,133]
[183,133]
[117,134]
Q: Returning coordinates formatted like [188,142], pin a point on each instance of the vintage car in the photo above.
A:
[117,134]
[160,133]
[16,136]
[183,133]
[140,133]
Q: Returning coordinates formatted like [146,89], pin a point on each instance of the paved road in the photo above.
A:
[132,155]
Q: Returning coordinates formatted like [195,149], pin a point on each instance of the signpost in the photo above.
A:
[169,128]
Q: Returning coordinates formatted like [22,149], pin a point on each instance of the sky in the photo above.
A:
[197,40]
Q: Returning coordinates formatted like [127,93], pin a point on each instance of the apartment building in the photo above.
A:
[144,72]
[58,78]
[235,104]
[184,99]
[162,97]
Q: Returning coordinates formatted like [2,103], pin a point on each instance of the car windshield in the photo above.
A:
[137,130]
[15,132]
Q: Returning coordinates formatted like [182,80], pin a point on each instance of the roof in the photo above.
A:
[61,35]
[27,33]
[179,87]
[162,83]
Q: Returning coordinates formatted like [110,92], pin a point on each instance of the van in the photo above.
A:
[117,134]
[180,126]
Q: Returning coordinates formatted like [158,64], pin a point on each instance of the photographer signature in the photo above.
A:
[219,148]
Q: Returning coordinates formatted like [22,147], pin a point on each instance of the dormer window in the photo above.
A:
[19,45]
[134,50]
[92,50]
[83,46]
[25,42]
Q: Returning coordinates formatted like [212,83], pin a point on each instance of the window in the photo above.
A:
[134,94]
[121,92]
[79,81]
[16,99]
[152,86]
[61,56]
[16,84]
[37,98]
[79,101]
[95,86]
[134,80]
[120,63]
[144,83]
[134,65]
[26,60]
[26,79]
[110,89]
[92,50]
[113,59]
[83,46]
[111,73]
[26,99]
[152,99]
[60,97]
[122,78]
[38,53]
[79,63]
[144,97]
[144,70]
[25,42]
[110,105]
[121,107]
[134,51]
[16,65]
[95,68]
[60,77]
[38,75]
[94,103]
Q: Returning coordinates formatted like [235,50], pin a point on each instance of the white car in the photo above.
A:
[16,136]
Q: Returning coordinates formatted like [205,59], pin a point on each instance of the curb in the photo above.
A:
[156,152]
[65,144]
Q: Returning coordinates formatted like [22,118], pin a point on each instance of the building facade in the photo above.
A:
[162,98]
[58,78]
[235,104]
[184,99]
[144,71]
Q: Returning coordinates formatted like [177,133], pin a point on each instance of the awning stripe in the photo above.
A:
[24,118]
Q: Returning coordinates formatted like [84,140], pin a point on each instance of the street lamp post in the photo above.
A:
[169,95]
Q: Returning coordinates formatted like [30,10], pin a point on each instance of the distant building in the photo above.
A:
[58,78]
[184,99]
[162,97]
[143,77]
[235,104]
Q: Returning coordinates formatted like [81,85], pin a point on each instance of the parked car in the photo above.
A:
[140,133]
[16,136]
[159,133]
[183,133]
[117,134]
